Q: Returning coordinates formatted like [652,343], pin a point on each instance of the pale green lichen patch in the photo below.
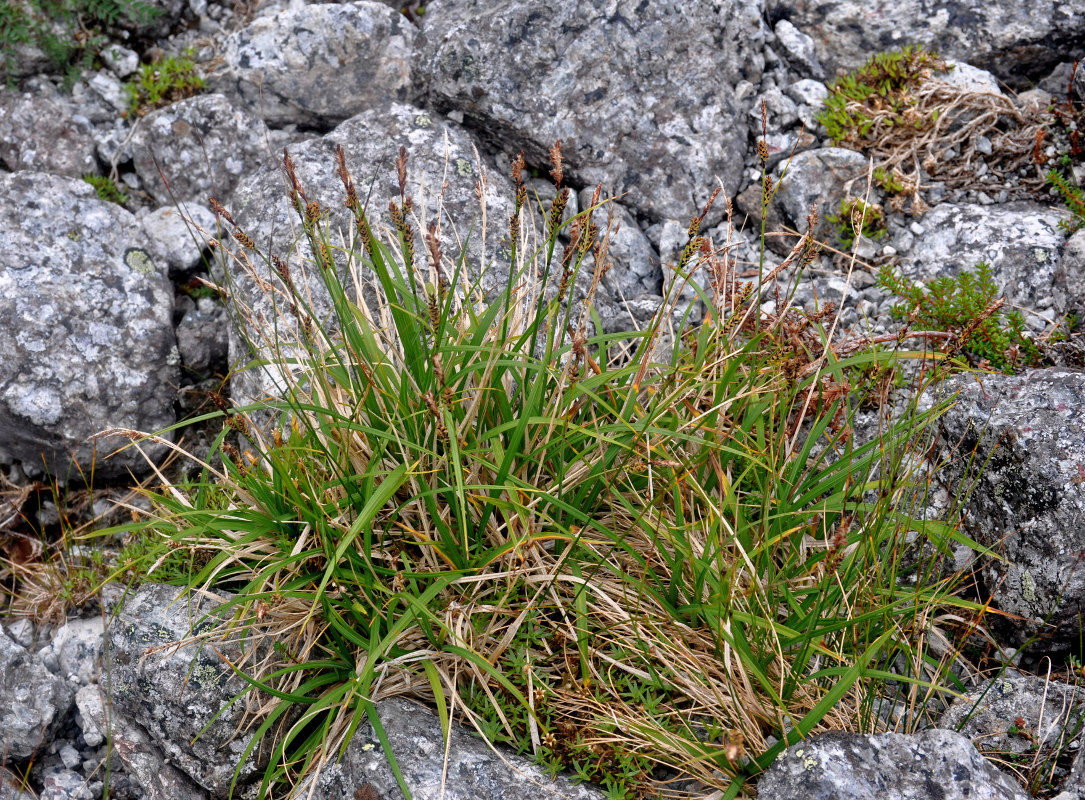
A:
[139,260]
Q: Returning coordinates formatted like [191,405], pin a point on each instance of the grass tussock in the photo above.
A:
[653,565]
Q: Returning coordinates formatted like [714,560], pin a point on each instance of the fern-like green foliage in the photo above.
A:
[953,304]
[1072,195]
[70,32]
[885,82]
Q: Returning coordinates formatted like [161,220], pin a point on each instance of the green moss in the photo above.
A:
[157,85]
[107,189]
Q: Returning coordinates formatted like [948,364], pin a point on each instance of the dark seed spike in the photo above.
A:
[344,176]
[557,173]
[401,170]
[216,206]
[518,169]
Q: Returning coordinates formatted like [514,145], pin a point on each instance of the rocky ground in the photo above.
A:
[104,321]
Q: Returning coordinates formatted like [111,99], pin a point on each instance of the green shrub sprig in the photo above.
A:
[969,306]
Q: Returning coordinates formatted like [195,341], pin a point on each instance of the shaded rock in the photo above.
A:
[203,337]
[32,700]
[320,64]
[932,765]
[203,145]
[1021,241]
[1027,432]
[166,15]
[798,49]
[639,93]
[474,770]
[158,778]
[171,693]
[991,715]
[86,335]
[11,787]
[173,239]
[78,648]
[1018,40]
[1069,274]
[42,134]
[64,784]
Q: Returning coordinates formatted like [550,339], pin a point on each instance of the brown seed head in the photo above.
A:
[401,170]
[245,240]
[216,206]
[518,169]
[557,173]
[762,151]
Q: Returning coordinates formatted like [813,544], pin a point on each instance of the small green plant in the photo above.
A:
[69,32]
[884,84]
[889,181]
[157,85]
[107,189]
[967,305]
[1071,194]
[858,218]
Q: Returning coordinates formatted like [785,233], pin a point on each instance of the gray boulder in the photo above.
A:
[86,335]
[1018,40]
[201,146]
[42,134]
[642,95]
[319,64]
[991,715]
[171,693]
[142,758]
[1027,433]
[414,733]
[824,176]
[931,765]
[1021,241]
[174,237]
[32,700]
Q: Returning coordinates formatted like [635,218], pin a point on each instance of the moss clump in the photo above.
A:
[885,82]
[157,85]
[107,189]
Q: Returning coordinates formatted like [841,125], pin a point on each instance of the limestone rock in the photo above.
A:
[1028,433]
[319,64]
[932,765]
[642,95]
[86,335]
[202,145]
[171,693]
[32,700]
[1018,40]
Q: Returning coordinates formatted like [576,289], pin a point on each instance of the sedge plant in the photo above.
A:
[632,561]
